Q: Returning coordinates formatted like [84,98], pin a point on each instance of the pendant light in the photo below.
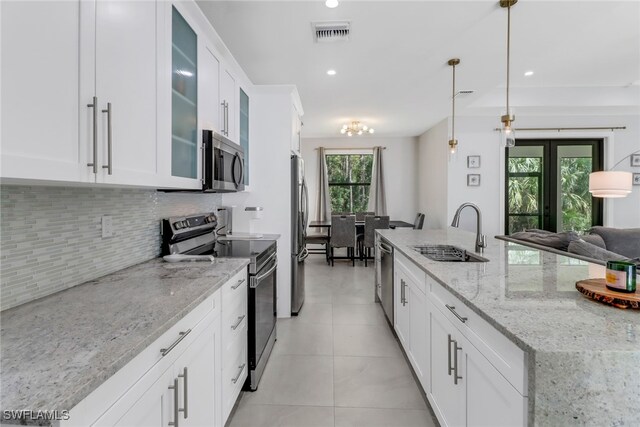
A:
[508,135]
[453,142]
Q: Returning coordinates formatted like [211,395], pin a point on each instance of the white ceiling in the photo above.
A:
[393,75]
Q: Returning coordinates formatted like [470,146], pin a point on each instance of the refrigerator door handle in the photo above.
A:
[305,197]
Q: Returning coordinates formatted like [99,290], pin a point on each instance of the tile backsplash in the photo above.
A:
[51,238]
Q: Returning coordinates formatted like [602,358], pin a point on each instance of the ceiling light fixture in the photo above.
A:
[453,142]
[528,73]
[356,128]
[331,3]
[612,184]
[508,135]
[331,72]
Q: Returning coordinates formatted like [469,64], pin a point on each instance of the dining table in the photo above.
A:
[327,224]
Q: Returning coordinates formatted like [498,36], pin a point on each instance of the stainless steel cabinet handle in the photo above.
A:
[202,162]
[166,351]
[456,377]
[240,282]
[403,293]
[176,410]
[449,342]
[240,319]
[224,117]
[237,377]
[109,164]
[185,387]
[453,310]
[95,134]
[226,126]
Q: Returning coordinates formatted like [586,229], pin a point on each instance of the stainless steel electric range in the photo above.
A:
[195,235]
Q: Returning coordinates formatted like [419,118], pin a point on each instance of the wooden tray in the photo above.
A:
[597,290]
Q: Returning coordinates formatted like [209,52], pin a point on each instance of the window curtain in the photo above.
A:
[323,199]
[377,197]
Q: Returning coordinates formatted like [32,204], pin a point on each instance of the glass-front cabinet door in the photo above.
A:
[244,132]
[184,98]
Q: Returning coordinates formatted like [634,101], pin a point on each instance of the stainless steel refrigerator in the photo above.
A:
[299,222]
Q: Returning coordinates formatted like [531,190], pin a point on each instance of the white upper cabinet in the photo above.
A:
[126,90]
[209,89]
[228,105]
[40,93]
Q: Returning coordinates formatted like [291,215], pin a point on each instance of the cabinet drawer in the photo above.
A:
[412,271]
[234,329]
[234,373]
[235,287]
[503,354]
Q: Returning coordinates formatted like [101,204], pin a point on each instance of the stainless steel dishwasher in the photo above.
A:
[384,276]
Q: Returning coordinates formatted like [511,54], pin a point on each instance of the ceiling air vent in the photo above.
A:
[326,32]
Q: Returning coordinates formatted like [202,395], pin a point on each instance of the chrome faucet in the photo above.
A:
[481,241]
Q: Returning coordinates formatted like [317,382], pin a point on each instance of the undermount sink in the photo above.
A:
[447,253]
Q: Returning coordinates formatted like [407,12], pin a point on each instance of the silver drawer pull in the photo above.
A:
[166,351]
[456,377]
[237,377]
[453,310]
[176,410]
[240,319]
[185,389]
[449,342]
[237,285]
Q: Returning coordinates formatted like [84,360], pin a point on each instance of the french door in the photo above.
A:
[547,185]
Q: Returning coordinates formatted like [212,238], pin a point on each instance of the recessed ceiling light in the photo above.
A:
[331,72]
[331,3]
[528,73]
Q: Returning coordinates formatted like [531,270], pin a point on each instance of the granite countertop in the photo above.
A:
[247,236]
[58,349]
[583,356]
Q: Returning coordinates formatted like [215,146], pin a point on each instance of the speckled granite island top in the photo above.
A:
[584,356]
[58,349]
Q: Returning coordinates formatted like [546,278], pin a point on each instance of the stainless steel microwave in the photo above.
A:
[223,164]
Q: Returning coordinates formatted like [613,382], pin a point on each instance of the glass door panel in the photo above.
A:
[184,99]
[574,203]
[524,188]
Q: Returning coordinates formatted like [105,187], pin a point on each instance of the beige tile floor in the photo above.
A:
[337,363]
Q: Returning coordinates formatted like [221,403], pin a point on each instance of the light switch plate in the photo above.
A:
[107,226]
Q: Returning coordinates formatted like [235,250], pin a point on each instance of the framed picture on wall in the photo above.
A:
[473,162]
[635,160]
[473,180]
[636,179]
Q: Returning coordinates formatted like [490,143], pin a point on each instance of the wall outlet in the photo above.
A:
[107,226]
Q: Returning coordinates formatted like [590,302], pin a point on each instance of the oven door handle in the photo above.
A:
[257,279]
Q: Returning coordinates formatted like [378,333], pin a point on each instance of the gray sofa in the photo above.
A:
[600,243]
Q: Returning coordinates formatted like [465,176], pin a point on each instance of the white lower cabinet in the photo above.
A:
[153,409]
[462,385]
[191,376]
[401,308]
[448,377]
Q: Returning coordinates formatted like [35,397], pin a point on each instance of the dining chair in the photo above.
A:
[343,235]
[318,239]
[419,222]
[360,215]
[372,223]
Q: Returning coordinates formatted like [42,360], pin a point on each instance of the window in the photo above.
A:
[349,180]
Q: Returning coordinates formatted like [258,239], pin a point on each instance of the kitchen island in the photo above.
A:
[581,358]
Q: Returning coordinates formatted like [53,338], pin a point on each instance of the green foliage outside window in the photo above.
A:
[349,181]
[576,199]
[525,186]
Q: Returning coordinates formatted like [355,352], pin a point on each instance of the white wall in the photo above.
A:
[476,136]
[400,170]
[432,176]
[270,178]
